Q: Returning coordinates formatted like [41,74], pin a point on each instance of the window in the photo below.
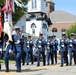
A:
[33,25]
[63,29]
[33,31]
[34,4]
[44,26]
[54,30]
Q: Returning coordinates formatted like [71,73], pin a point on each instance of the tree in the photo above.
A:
[19,12]
[72,29]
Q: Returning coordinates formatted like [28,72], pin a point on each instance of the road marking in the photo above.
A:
[9,73]
[32,69]
[44,67]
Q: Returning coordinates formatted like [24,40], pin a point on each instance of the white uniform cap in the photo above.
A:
[16,27]
[40,33]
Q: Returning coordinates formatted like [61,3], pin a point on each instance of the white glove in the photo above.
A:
[10,51]
[70,40]
[18,41]
[39,41]
[7,43]
[48,43]
[30,41]
[27,41]
[0,49]
[62,40]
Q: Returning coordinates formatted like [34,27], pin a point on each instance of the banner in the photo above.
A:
[4,7]
[18,3]
[0,21]
[8,25]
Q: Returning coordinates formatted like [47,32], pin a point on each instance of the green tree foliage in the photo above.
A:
[2,2]
[70,30]
[19,12]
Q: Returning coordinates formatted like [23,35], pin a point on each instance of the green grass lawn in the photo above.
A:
[2,61]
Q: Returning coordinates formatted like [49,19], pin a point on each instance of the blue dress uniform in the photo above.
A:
[18,51]
[64,50]
[29,50]
[55,48]
[1,45]
[71,48]
[51,51]
[6,54]
[48,50]
[23,51]
[40,44]
[74,51]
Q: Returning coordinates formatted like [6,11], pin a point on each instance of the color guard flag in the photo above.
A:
[7,25]
[0,21]
[18,3]
[0,24]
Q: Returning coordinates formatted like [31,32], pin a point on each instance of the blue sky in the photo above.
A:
[66,5]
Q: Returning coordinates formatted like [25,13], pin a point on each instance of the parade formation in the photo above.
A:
[46,50]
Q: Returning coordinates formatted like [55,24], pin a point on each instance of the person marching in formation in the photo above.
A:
[74,49]
[29,49]
[64,49]
[55,48]
[40,44]
[48,50]
[71,52]
[1,45]
[18,51]
[22,48]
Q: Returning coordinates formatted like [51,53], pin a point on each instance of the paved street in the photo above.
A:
[42,70]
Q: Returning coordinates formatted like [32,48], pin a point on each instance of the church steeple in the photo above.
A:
[50,6]
[37,6]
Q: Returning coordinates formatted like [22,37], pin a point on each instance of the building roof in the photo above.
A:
[60,16]
[49,1]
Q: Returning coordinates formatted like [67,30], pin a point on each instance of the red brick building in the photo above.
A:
[61,20]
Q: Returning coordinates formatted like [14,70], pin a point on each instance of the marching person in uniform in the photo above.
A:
[51,50]
[18,51]
[29,49]
[40,44]
[55,48]
[64,49]
[74,47]
[71,48]
[1,45]
[48,50]
[8,50]
[22,48]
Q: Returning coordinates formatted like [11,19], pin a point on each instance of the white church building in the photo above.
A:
[36,19]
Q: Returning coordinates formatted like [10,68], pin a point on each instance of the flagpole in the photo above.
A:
[0,20]
[13,7]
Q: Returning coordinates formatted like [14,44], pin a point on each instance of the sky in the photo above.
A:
[66,5]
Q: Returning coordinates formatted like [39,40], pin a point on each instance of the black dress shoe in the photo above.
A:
[52,63]
[74,63]
[27,64]
[70,64]
[38,64]
[61,65]
[23,64]
[32,63]
[0,66]
[48,64]
[66,64]
[6,70]
[44,64]
[18,71]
